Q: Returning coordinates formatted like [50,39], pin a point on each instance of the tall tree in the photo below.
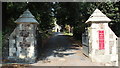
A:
[42,12]
[10,12]
[71,13]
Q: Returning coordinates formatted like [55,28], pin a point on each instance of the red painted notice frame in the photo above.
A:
[101,39]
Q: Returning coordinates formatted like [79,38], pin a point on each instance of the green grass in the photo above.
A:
[65,33]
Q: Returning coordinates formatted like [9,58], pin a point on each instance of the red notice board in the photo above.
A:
[101,39]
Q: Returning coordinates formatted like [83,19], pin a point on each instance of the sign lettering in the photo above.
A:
[101,39]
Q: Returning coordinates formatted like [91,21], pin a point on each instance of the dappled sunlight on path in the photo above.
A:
[61,51]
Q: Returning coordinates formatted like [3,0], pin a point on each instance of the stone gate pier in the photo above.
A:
[99,42]
[23,41]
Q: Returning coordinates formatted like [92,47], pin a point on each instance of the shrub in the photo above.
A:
[78,30]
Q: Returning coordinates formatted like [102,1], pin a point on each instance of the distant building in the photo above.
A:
[56,28]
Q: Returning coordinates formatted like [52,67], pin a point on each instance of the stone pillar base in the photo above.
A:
[19,60]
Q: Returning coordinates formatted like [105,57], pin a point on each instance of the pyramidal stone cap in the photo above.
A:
[26,17]
[98,17]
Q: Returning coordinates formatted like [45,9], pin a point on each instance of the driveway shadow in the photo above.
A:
[58,46]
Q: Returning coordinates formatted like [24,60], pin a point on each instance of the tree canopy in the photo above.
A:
[72,13]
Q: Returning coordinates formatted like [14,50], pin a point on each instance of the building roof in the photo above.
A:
[98,16]
[26,17]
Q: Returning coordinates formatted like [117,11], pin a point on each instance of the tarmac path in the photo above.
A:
[61,51]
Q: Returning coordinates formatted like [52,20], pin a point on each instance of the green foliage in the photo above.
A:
[42,12]
[11,12]
[72,13]
[78,30]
